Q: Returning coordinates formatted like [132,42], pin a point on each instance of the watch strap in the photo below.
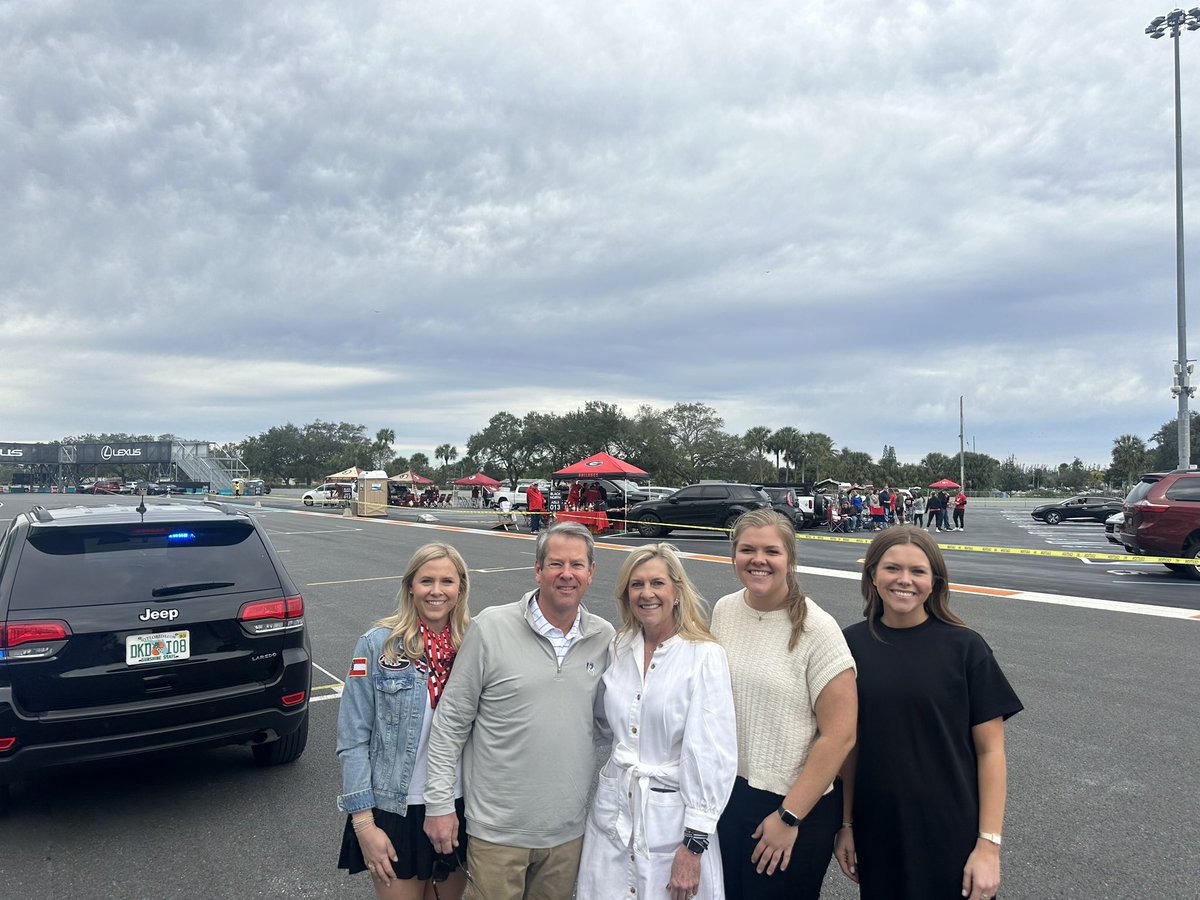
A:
[789,818]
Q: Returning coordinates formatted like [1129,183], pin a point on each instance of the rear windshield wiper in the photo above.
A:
[169,589]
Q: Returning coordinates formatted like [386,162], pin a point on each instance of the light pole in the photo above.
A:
[1171,23]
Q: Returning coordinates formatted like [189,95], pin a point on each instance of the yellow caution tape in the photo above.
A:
[803,536]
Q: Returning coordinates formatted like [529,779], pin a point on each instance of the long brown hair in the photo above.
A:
[405,638]
[797,602]
[938,602]
[690,612]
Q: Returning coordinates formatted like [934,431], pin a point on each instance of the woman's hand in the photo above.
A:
[378,851]
[845,854]
[981,874]
[775,842]
[685,874]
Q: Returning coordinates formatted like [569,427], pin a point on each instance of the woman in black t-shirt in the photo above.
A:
[925,786]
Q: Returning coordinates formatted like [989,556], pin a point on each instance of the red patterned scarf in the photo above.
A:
[439,654]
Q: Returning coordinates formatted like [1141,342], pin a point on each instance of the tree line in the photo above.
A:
[684,443]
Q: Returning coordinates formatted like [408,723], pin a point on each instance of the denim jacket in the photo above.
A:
[379,728]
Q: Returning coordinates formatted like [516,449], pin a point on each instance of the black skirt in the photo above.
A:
[407,834]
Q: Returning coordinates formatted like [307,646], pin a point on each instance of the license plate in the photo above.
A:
[154,648]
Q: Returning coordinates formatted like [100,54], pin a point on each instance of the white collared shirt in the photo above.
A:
[561,642]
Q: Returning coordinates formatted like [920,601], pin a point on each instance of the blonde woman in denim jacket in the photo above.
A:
[396,677]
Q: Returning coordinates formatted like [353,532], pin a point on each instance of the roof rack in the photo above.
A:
[42,514]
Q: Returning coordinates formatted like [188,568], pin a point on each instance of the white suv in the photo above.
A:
[332,493]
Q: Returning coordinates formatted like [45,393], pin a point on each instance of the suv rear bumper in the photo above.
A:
[239,718]
[28,755]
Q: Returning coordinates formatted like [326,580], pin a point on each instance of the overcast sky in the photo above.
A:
[216,217]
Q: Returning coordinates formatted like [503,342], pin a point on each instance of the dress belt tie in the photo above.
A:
[634,779]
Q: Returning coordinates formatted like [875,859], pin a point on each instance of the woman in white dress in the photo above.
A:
[666,699]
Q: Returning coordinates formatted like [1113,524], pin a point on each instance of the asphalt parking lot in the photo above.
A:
[1103,799]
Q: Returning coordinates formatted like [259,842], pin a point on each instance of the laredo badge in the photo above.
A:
[358,667]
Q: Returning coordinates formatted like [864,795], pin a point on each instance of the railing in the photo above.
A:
[218,471]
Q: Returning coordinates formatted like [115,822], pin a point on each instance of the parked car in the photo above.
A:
[697,505]
[1162,518]
[1087,507]
[656,492]
[1112,527]
[332,493]
[125,630]
[783,500]
[103,486]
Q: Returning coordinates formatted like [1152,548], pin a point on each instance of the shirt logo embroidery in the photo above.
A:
[358,668]
[401,663]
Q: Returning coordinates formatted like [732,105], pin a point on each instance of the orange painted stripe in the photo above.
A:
[991,592]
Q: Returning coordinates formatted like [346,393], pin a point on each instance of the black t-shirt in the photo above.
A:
[916,797]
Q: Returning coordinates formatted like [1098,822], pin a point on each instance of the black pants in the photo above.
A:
[958,517]
[810,854]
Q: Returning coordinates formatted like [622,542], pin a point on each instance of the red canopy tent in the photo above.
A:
[480,479]
[601,465]
[944,483]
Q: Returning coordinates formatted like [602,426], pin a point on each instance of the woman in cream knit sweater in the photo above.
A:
[796,707]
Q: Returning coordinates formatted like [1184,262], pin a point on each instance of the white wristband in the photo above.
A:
[993,836]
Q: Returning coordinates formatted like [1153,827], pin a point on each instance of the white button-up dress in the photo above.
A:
[673,762]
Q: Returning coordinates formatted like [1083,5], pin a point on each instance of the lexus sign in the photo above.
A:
[28,454]
[124,454]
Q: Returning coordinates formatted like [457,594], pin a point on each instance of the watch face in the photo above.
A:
[788,818]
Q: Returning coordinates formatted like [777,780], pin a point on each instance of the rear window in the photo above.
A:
[1186,489]
[747,493]
[139,563]
[1140,490]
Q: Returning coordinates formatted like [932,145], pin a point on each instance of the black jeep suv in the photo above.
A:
[705,505]
[129,629]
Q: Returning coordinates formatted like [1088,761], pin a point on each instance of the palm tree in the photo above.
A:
[446,453]
[755,440]
[1129,457]
[818,450]
[775,444]
[381,450]
[789,442]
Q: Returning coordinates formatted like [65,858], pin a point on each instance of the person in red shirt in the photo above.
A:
[960,509]
[535,502]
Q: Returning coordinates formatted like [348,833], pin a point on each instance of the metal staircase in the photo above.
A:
[219,471]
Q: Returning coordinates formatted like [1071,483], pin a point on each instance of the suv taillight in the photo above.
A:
[267,616]
[1147,506]
[32,640]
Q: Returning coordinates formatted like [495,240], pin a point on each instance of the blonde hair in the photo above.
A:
[691,613]
[797,602]
[405,639]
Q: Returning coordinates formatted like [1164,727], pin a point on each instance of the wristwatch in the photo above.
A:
[993,836]
[789,818]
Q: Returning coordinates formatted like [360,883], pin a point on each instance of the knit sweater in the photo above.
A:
[523,723]
[774,691]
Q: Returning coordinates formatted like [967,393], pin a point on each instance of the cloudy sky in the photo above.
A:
[216,217]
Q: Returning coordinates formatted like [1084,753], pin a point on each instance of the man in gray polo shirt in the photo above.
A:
[518,709]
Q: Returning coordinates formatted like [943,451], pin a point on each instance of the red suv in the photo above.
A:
[1162,518]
